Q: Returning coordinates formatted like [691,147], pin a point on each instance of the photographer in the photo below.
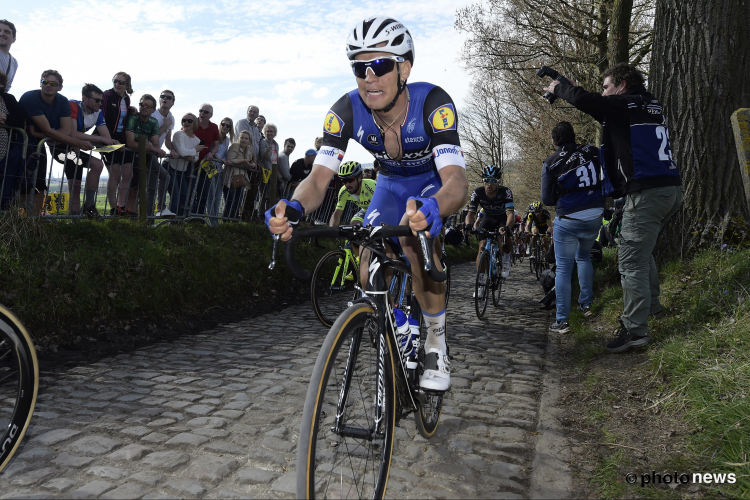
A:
[638,164]
[570,181]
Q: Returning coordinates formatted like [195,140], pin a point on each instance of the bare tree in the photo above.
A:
[699,72]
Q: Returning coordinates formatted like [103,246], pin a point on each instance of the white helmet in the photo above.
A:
[375,30]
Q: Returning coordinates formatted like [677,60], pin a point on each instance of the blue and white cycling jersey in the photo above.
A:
[429,133]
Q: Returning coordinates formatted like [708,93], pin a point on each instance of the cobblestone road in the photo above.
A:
[216,415]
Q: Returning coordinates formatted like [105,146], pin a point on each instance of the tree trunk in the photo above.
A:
[618,49]
[700,73]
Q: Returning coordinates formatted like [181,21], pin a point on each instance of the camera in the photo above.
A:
[547,71]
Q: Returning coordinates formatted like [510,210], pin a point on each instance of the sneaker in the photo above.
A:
[626,340]
[658,314]
[560,327]
[437,372]
[586,310]
[506,270]
[91,212]
[166,213]
[118,212]
[528,251]
[129,214]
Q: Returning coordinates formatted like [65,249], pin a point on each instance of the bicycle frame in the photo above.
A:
[349,257]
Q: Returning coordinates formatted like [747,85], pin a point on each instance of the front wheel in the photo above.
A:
[481,286]
[355,461]
[19,383]
[333,285]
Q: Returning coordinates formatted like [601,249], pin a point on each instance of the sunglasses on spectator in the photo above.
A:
[225,125]
[147,106]
[490,181]
[187,120]
[167,97]
[203,111]
[119,82]
[380,66]
[51,83]
[95,99]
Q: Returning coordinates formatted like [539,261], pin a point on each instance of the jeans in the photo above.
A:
[573,241]
[233,198]
[214,197]
[156,172]
[178,190]
[645,214]
[201,193]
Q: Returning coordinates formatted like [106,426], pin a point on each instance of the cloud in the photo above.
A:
[320,92]
[291,88]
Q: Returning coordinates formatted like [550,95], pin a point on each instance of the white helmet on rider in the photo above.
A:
[371,32]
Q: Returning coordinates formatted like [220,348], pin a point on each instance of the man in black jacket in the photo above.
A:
[637,159]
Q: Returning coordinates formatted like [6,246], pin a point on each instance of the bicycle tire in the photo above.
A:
[447,269]
[319,470]
[480,304]
[537,262]
[19,383]
[497,289]
[329,300]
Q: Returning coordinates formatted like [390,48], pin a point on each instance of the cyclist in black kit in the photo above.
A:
[497,202]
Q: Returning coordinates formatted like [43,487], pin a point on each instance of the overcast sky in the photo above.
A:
[287,57]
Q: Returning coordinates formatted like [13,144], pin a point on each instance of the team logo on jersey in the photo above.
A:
[410,126]
[443,118]
[333,124]
[373,139]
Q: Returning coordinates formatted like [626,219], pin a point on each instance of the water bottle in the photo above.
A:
[411,362]
[403,333]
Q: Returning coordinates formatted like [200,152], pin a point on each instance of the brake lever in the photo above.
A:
[274,250]
[425,251]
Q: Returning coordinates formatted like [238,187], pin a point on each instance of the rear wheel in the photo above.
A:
[333,286]
[355,462]
[497,288]
[19,383]
[481,286]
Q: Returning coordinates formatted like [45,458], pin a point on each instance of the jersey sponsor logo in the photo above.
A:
[333,124]
[373,215]
[413,139]
[373,139]
[410,127]
[447,150]
[443,118]
[360,133]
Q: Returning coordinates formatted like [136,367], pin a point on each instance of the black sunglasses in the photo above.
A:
[380,66]
[51,83]
[167,97]
[95,99]
[187,120]
[490,181]
[225,125]
[119,82]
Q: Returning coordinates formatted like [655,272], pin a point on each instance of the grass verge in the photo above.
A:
[688,393]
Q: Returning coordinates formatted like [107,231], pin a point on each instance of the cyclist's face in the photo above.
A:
[490,189]
[352,185]
[378,92]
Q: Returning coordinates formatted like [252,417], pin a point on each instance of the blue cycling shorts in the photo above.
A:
[388,204]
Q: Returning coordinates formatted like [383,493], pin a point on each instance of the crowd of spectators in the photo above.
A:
[198,162]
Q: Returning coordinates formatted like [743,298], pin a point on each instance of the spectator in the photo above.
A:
[318,143]
[284,174]
[187,145]
[208,133]
[368,173]
[8,63]
[86,114]
[249,125]
[116,107]
[226,138]
[49,116]
[135,126]
[235,178]
[269,154]
[260,122]
[639,165]
[301,168]
[165,118]
[578,217]
[11,149]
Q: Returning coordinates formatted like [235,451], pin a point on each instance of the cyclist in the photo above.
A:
[355,189]
[497,202]
[537,222]
[412,130]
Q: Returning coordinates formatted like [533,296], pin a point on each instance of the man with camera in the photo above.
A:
[638,164]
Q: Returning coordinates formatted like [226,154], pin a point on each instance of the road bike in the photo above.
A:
[538,256]
[19,383]
[488,281]
[362,383]
[335,283]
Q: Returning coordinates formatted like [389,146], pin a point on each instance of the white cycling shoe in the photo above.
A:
[437,372]
[506,270]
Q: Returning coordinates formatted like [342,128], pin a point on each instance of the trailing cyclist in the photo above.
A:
[537,223]
[355,189]
[412,130]
[497,202]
